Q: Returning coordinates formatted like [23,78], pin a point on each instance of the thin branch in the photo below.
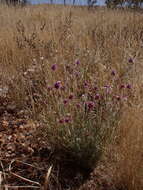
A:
[47,177]
[29,165]
[10,165]
[25,179]
[18,187]
[22,178]
[3,170]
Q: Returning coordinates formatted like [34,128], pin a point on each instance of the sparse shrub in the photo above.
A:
[80,112]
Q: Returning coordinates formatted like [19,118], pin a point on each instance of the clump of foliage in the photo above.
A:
[129,3]
[80,111]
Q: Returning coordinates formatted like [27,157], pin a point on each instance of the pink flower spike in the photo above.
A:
[128,86]
[118,98]
[122,86]
[67,120]
[61,121]
[85,84]
[77,62]
[113,73]
[54,66]
[71,97]
[90,105]
[97,96]
[57,85]
[65,101]
[130,60]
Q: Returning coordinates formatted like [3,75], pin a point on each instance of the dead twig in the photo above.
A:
[1,178]
[47,177]
[20,177]
[18,187]
[24,163]
[25,179]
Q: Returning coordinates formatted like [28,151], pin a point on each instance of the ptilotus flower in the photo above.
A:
[97,96]
[128,86]
[113,73]
[61,121]
[77,62]
[122,86]
[85,84]
[65,101]
[90,105]
[71,96]
[67,120]
[57,85]
[53,67]
[118,98]
[95,88]
[130,60]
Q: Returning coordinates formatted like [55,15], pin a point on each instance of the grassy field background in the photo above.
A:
[79,74]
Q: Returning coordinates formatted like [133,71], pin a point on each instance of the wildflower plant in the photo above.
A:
[81,113]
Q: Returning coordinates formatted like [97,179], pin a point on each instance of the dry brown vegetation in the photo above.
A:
[79,75]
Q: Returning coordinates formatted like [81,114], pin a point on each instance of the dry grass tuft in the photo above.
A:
[130,153]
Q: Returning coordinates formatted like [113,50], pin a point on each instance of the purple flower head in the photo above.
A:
[71,96]
[113,73]
[65,101]
[54,66]
[85,84]
[118,98]
[97,96]
[90,105]
[77,62]
[128,86]
[122,86]
[57,85]
[67,120]
[130,60]
[95,88]
[61,121]
[107,86]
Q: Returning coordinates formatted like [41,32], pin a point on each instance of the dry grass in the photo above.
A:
[129,166]
[34,38]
